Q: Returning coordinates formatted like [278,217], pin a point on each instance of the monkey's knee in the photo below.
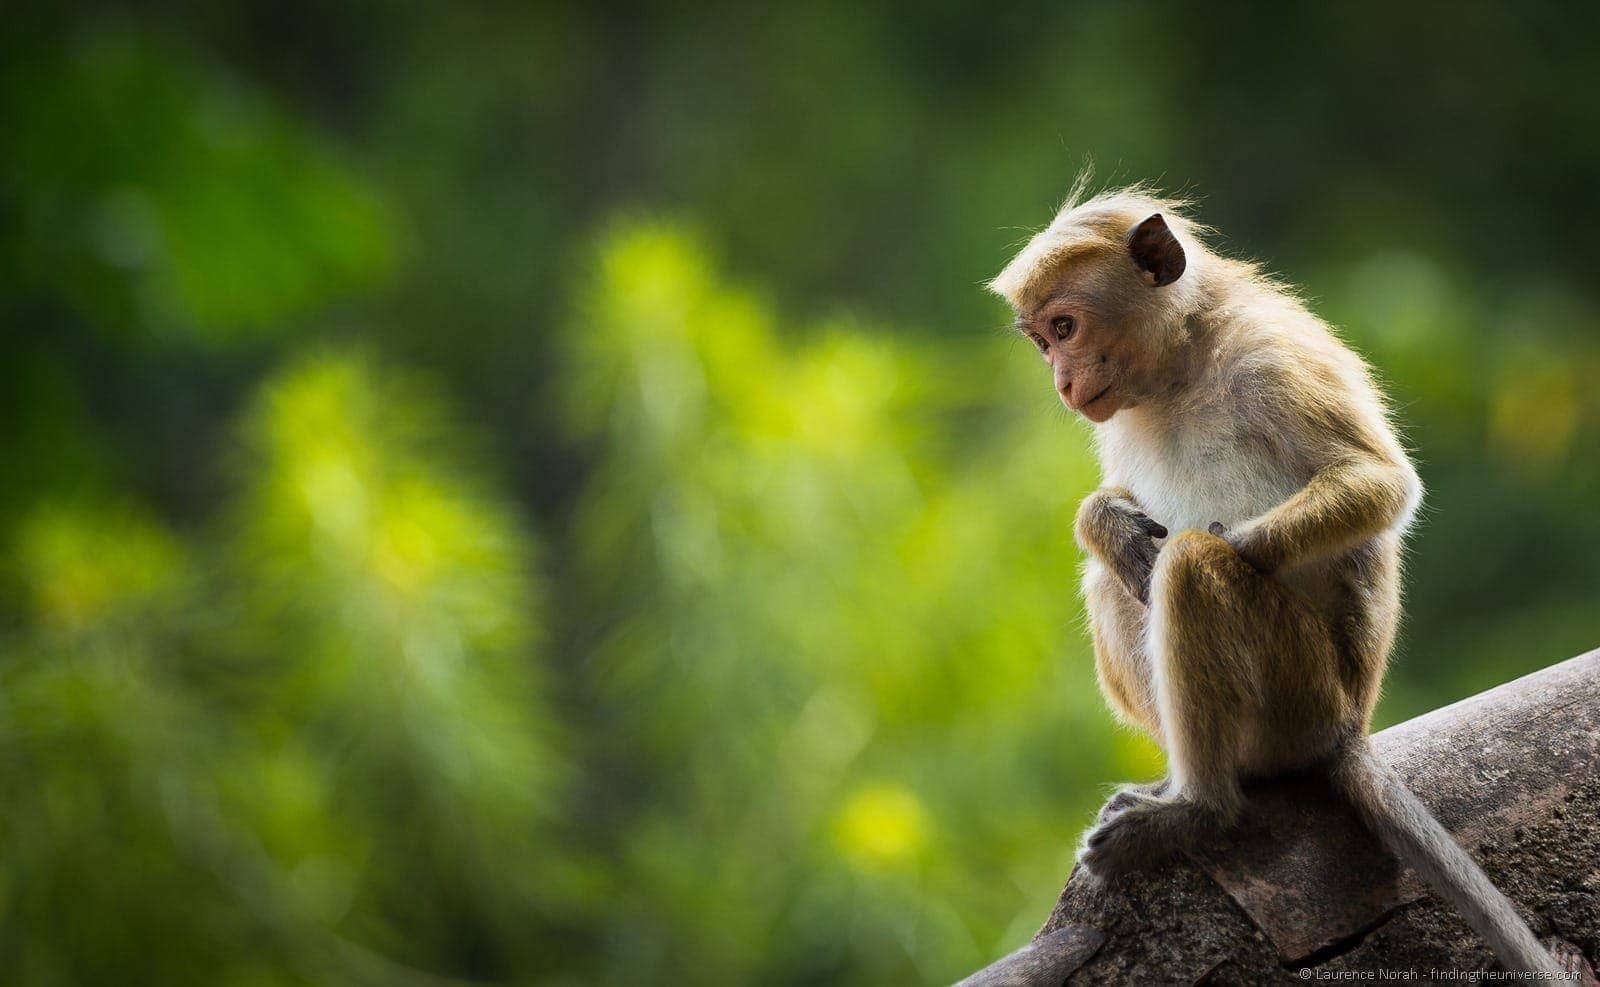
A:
[1197,569]
[1202,597]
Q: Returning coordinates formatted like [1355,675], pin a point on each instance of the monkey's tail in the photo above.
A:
[1409,831]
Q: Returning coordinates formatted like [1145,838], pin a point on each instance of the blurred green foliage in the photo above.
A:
[538,494]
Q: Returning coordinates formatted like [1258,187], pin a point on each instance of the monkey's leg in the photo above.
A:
[1228,649]
[1117,625]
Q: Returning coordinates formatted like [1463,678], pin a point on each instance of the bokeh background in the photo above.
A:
[538,494]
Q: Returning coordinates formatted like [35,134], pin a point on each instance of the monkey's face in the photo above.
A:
[1101,330]
[1089,359]
[1103,321]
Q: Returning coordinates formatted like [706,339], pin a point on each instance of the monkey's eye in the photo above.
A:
[1038,341]
[1063,325]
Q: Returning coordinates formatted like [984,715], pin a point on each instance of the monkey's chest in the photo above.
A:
[1190,479]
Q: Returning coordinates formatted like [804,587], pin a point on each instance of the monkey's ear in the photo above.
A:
[1157,252]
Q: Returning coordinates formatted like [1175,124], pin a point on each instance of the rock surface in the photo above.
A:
[1302,893]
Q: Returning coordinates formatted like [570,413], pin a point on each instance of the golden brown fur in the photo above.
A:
[1243,582]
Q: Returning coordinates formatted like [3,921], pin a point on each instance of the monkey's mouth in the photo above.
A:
[1088,410]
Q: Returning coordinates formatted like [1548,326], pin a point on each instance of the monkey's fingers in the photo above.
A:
[1136,583]
[1134,515]
[1150,526]
[1135,566]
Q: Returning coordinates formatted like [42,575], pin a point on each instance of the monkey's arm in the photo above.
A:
[1118,532]
[1344,504]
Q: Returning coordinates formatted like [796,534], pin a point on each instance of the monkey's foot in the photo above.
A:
[1142,831]
[1129,795]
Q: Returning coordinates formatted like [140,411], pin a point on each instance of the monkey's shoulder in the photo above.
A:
[1299,393]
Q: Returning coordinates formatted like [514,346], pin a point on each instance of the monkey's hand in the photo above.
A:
[1248,547]
[1112,525]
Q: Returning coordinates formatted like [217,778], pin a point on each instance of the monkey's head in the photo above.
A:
[1102,294]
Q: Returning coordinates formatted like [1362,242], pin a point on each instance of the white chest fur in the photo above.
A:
[1192,470]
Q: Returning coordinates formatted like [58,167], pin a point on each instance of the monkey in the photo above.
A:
[1243,554]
